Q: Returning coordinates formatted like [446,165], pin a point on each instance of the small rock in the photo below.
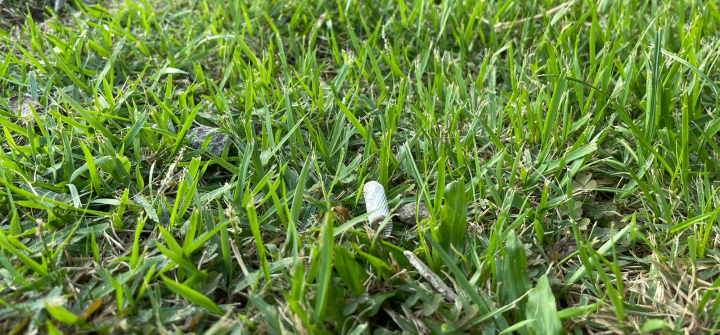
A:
[24,103]
[562,249]
[406,213]
[197,136]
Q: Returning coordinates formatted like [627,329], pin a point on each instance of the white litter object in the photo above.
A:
[376,205]
[59,5]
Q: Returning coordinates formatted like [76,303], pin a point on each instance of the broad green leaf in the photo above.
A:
[61,314]
[351,273]
[325,271]
[541,308]
[192,295]
[453,224]
[515,280]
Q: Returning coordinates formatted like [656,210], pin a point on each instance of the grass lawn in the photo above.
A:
[197,167]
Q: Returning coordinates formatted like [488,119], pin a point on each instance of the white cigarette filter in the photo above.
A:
[376,205]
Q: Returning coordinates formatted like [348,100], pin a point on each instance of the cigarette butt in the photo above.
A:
[59,5]
[376,205]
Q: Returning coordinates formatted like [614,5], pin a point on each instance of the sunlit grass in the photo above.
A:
[197,166]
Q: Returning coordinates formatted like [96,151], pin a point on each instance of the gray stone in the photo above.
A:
[24,104]
[406,213]
[196,136]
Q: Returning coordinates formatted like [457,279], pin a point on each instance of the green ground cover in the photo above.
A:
[567,152]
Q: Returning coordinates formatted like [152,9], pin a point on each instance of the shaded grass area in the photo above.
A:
[567,154]
[13,12]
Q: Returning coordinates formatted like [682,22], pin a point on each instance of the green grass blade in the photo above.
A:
[192,295]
